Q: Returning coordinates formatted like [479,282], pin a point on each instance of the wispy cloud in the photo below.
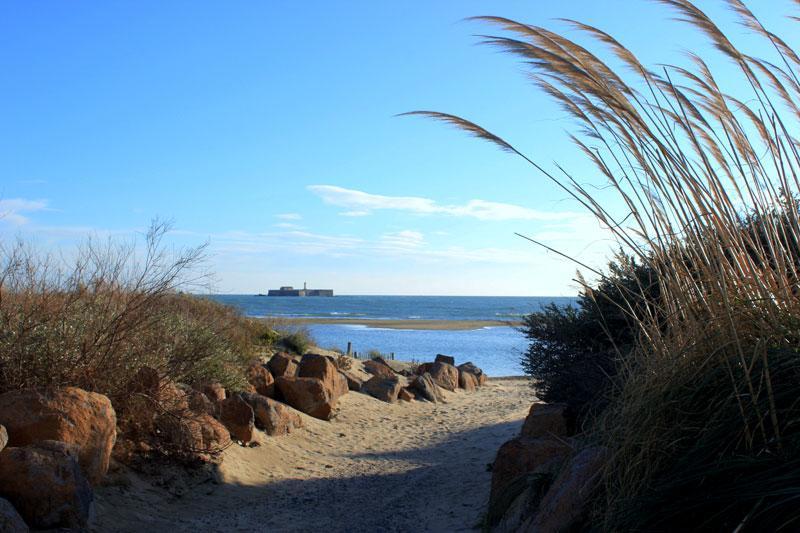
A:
[289,216]
[360,203]
[14,210]
[404,239]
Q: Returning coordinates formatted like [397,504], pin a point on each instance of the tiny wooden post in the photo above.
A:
[349,347]
[392,356]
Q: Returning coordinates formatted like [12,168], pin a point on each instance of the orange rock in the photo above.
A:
[194,435]
[385,389]
[322,368]
[308,395]
[237,415]
[282,365]
[3,437]
[215,392]
[427,388]
[46,485]
[271,416]
[261,378]
[546,420]
[470,368]
[449,359]
[67,414]
[405,395]
[445,375]
[467,381]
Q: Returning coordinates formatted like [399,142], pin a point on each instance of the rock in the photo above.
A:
[195,435]
[467,381]
[427,388]
[46,485]
[405,395]
[449,359]
[354,383]
[237,415]
[259,377]
[385,389]
[271,416]
[282,365]
[545,420]
[322,368]
[564,505]
[470,368]
[445,375]
[67,414]
[378,367]
[3,437]
[10,520]
[215,392]
[200,403]
[521,456]
[308,395]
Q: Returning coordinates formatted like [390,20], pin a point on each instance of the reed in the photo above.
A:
[705,419]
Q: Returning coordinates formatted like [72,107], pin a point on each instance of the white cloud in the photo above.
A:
[287,225]
[289,216]
[360,203]
[404,239]
[12,209]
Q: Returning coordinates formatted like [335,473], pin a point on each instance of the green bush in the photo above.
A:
[297,341]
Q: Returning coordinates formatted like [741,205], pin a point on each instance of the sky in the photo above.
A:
[269,131]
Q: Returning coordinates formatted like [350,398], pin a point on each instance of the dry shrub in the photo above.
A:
[703,432]
[344,362]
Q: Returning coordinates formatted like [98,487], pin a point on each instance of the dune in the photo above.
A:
[414,466]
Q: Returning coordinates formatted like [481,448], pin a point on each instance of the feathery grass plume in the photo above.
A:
[705,419]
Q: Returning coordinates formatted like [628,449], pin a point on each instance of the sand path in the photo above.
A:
[375,468]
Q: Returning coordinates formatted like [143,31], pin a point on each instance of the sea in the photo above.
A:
[496,349]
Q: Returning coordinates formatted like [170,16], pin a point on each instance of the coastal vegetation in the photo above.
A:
[697,428]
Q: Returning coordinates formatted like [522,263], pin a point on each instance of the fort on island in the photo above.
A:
[305,291]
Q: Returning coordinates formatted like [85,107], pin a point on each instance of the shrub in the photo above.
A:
[374,354]
[297,341]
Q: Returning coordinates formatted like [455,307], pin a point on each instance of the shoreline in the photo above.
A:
[416,324]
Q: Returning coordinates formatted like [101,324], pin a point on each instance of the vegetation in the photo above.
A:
[702,429]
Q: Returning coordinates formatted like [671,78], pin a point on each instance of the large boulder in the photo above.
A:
[237,415]
[522,456]
[470,368]
[354,383]
[194,435]
[214,391]
[273,417]
[67,414]
[405,395]
[445,375]
[10,520]
[449,359]
[378,367]
[261,379]
[323,368]
[308,395]
[564,505]
[467,381]
[200,403]
[385,389]
[427,388]
[45,484]
[282,365]
[423,367]
[545,420]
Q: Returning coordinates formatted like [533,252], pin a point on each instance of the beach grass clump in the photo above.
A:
[701,432]
[93,321]
[296,340]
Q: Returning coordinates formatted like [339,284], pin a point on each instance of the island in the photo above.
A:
[305,291]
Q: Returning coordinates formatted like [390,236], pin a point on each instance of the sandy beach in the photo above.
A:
[447,325]
[414,466]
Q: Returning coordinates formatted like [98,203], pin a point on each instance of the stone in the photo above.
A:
[564,505]
[215,392]
[261,379]
[237,415]
[272,416]
[445,375]
[354,383]
[405,395]
[308,395]
[67,414]
[467,381]
[545,420]
[45,484]
[200,403]
[10,520]
[193,435]
[427,388]
[525,455]
[385,389]
[282,365]
[3,437]
[423,367]
[449,359]
[470,368]
[324,369]
[377,367]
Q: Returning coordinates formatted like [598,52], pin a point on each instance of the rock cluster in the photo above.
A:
[539,482]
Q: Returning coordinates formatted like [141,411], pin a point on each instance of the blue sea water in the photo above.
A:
[495,349]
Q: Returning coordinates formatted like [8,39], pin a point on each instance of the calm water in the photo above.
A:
[495,349]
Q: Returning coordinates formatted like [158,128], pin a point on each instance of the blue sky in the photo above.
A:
[268,129]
